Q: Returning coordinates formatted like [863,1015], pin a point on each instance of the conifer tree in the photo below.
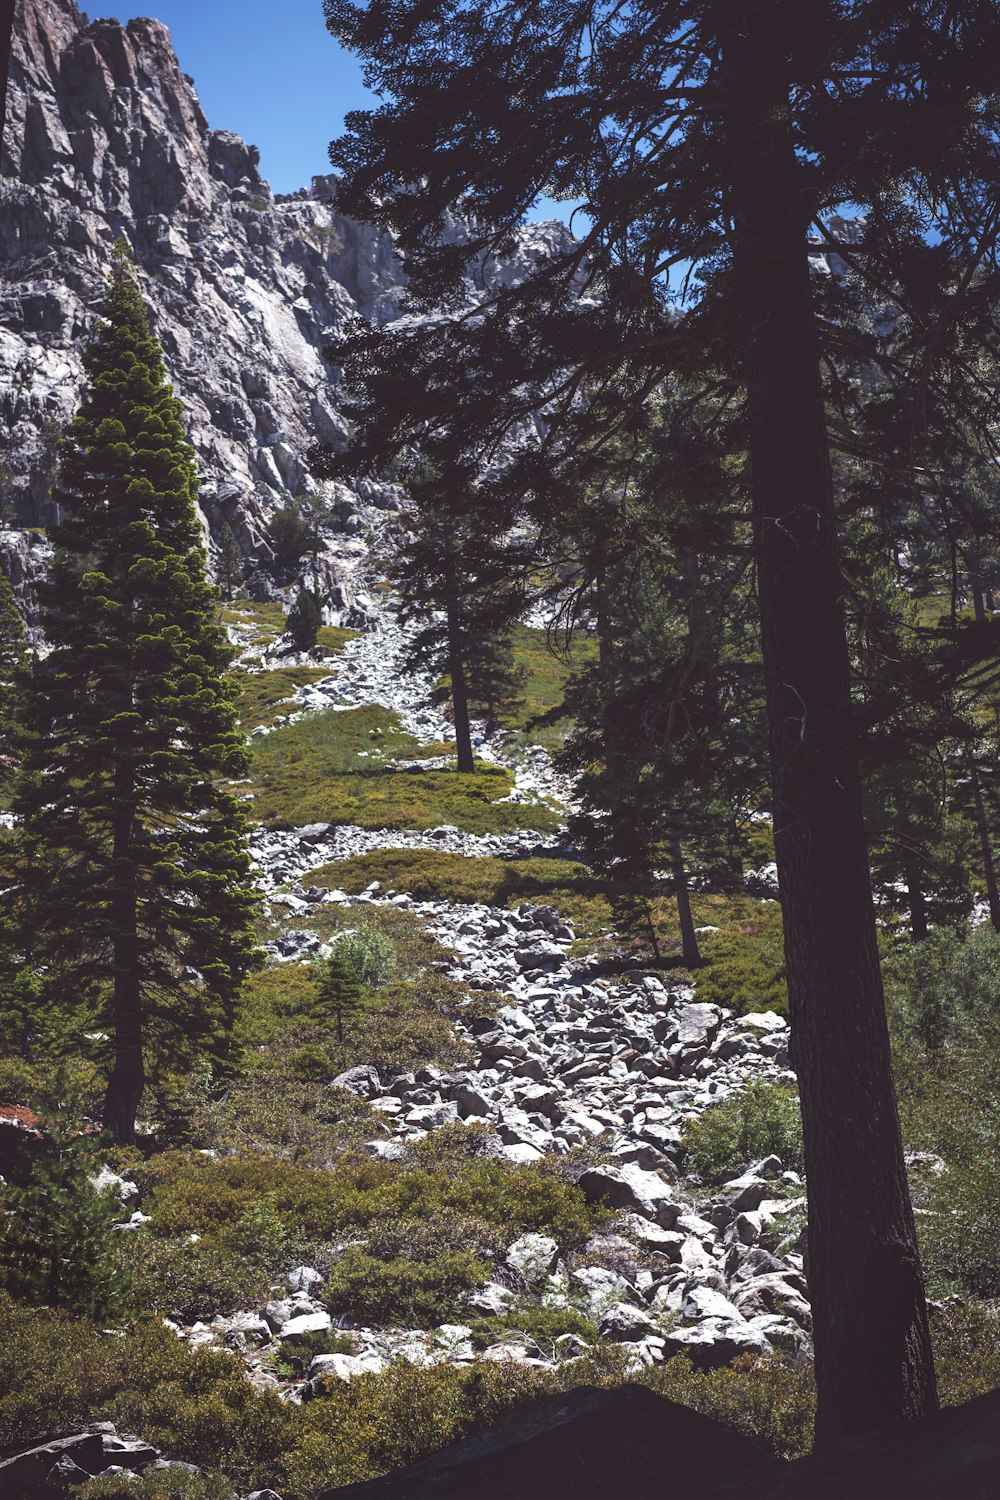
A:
[135,887]
[57,1236]
[289,535]
[230,567]
[304,619]
[455,581]
[340,997]
[13,664]
[717,133]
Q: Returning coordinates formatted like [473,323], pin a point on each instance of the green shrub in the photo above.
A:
[311,1063]
[543,1325]
[362,1429]
[58,1372]
[945,989]
[175,1483]
[767,1398]
[966,1342]
[744,964]
[370,954]
[208,1197]
[762,1120]
[402,1292]
[192,1280]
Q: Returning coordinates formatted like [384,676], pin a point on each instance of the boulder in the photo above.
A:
[532,1257]
[363,1081]
[631,1188]
[582,1445]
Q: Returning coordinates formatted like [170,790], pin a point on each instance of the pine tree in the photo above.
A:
[230,566]
[718,134]
[13,665]
[304,619]
[135,888]
[454,581]
[289,536]
[340,997]
[58,1245]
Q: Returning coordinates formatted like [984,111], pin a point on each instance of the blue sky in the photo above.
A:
[269,71]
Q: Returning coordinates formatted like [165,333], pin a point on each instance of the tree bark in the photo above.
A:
[7,9]
[873,1357]
[464,758]
[916,899]
[689,938]
[128,1076]
[986,846]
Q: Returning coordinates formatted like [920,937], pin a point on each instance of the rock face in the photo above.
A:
[105,136]
[588,1443]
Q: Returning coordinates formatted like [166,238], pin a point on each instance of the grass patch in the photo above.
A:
[264,621]
[546,673]
[266,696]
[331,767]
[434,875]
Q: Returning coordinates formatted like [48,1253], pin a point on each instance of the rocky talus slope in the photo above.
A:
[571,1058]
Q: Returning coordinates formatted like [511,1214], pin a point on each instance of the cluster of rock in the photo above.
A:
[57,1467]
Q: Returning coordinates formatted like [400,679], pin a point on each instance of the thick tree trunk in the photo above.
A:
[689,938]
[128,1077]
[459,694]
[7,9]
[986,847]
[873,1356]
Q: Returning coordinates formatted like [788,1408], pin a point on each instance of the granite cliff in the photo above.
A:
[106,136]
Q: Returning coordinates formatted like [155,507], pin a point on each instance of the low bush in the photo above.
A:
[189,1280]
[370,954]
[265,697]
[173,1483]
[542,1325]
[402,1292]
[762,1120]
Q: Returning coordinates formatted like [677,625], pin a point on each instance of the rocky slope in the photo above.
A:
[105,136]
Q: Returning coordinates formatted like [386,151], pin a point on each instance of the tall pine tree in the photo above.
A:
[135,887]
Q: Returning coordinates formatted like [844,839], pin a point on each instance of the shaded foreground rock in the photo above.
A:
[632,1443]
[585,1445]
[957,1457]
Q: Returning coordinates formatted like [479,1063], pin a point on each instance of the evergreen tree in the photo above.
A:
[57,1233]
[304,619]
[135,891]
[289,536]
[230,567]
[340,997]
[13,665]
[454,581]
[716,134]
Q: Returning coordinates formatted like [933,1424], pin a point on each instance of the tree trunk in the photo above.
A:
[915,896]
[975,567]
[986,846]
[873,1357]
[7,9]
[689,938]
[128,1077]
[464,759]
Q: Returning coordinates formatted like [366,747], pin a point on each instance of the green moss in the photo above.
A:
[265,622]
[331,767]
